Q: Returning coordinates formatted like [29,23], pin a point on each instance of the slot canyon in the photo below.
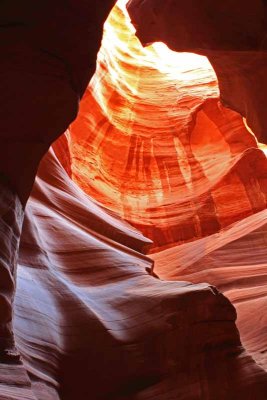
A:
[135,266]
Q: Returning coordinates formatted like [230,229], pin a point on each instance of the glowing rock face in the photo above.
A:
[153,143]
[232,34]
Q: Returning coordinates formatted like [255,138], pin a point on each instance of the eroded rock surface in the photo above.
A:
[155,147]
[98,324]
[160,149]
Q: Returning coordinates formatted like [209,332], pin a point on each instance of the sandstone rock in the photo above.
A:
[233,36]
[98,324]
[154,161]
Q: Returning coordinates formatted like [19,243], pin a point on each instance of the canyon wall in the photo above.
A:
[148,208]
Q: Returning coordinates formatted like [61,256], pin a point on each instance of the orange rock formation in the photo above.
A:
[155,177]
[159,149]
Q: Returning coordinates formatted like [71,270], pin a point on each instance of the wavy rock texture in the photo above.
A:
[98,325]
[159,149]
[186,156]
[234,259]
[153,147]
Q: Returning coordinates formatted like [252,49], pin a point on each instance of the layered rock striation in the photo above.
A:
[160,149]
[156,188]
[98,324]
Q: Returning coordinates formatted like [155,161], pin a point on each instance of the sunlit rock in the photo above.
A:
[156,188]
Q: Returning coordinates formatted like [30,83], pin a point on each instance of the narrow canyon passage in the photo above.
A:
[164,154]
[142,262]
